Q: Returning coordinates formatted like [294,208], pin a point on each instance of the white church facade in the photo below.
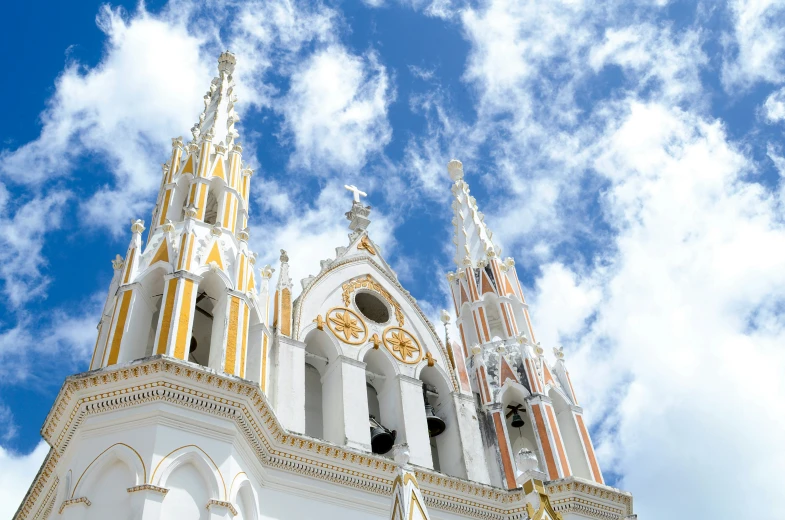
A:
[212,395]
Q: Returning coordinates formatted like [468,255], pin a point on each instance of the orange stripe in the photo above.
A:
[487,393]
[118,330]
[575,399]
[185,319]
[565,466]
[472,284]
[166,321]
[506,320]
[477,327]
[463,338]
[505,451]
[512,319]
[553,473]
[529,322]
[165,208]
[595,468]
[484,324]
[533,380]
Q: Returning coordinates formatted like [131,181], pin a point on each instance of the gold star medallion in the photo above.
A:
[347,326]
[403,345]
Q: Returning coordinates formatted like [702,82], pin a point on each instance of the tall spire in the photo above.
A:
[472,237]
[218,117]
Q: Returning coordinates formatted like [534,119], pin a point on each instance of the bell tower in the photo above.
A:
[190,292]
[531,406]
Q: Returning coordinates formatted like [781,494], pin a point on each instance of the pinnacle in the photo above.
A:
[455,169]
[226,62]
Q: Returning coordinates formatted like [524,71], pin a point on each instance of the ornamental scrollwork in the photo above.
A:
[369,283]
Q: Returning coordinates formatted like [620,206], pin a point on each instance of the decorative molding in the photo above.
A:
[347,325]
[402,345]
[367,282]
[222,503]
[148,487]
[366,244]
[74,501]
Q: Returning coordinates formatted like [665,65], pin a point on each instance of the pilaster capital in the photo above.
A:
[403,378]
[289,342]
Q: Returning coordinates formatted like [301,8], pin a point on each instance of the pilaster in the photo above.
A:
[345,405]
[289,383]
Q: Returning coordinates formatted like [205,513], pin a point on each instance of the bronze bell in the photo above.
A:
[382,439]
[517,421]
[435,423]
[193,345]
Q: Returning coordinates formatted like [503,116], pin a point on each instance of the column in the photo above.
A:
[403,396]
[468,429]
[345,404]
[175,320]
[289,383]
[549,440]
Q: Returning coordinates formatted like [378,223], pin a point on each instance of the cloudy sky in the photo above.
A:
[628,155]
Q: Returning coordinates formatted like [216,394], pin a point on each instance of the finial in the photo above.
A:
[558,352]
[190,211]
[284,257]
[137,226]
[444,316]
[168,227]
[401,454]
[118,262]
[455,169]
[226,62]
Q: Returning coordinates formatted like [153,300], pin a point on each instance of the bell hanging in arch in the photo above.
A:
[435,423]
[517,421]
[382,439]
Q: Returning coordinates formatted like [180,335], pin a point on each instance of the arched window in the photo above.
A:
[187,496]
[109,495]
[211,208]
[493,315]
[320,422]
[143,317]
[570,436]
[519,426]
[446,450]
[207,329]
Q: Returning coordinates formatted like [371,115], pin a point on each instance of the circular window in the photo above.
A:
[372,307]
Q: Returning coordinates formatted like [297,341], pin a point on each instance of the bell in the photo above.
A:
[382,439]
[193,345]
[517,422]
[435,423]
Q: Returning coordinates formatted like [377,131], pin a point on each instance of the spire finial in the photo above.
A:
[226,62]
[455,169]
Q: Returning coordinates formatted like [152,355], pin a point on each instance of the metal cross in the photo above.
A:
[356,191]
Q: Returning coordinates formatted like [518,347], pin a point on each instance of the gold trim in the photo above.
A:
[217,469]
[400,345]
[366,244]
[144,469]
[345,327]
[369,283]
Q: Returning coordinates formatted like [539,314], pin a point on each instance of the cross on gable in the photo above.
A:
[356,191]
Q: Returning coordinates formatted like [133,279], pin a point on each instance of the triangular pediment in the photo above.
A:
[189,166]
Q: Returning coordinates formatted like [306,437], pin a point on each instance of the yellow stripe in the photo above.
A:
[165,208]
[95,349]
[182,251]
[190,252]
[231,336]
[166,322]
[245,340]
[234,215]
[241,276]
[202,195]
[227,207]
[118,330]
[185,318]
[128,265]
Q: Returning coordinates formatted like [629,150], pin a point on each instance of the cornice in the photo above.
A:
[160,378]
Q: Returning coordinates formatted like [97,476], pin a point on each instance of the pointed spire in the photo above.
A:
[472,237]
[282,311]
[217,120]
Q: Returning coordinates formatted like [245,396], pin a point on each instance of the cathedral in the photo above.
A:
[212,393]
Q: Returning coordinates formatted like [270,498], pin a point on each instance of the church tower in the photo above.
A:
[212,396]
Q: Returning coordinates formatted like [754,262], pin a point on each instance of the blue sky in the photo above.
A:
[628,156]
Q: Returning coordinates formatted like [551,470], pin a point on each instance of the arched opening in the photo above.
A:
[187,496]
[570,436]
[143,317]
[108,493]
[446,451]
[383,398]
[519,425]
[493,315]
[321,417]
[208,322]
[176,211]
[153,284]
[245,503]
[211,208]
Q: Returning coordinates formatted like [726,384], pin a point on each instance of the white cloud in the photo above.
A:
[336,109]
[16,474]
[774,106]
[757,48]
[22,235]
[688,316]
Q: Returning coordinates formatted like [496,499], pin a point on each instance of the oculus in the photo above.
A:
[372,307]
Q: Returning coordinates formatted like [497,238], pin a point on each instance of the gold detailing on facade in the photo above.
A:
[366,244]
[162,255]
[244,335]
[214,256]
[231,335]
[166,320]
[141,461]
[377,342]
[183,324]
[320,322]
[431,359]
[119,328]
[215,466]
[129,265]
[369,283]
[347,326]
[148,487]
[80,500]
[402,345]
[221,503]
[286,312]
[546,510]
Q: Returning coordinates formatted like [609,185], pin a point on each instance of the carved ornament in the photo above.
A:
[402,345]
[369,283]
[347,326]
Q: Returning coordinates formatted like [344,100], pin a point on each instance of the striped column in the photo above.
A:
[176,319]
[549,440]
